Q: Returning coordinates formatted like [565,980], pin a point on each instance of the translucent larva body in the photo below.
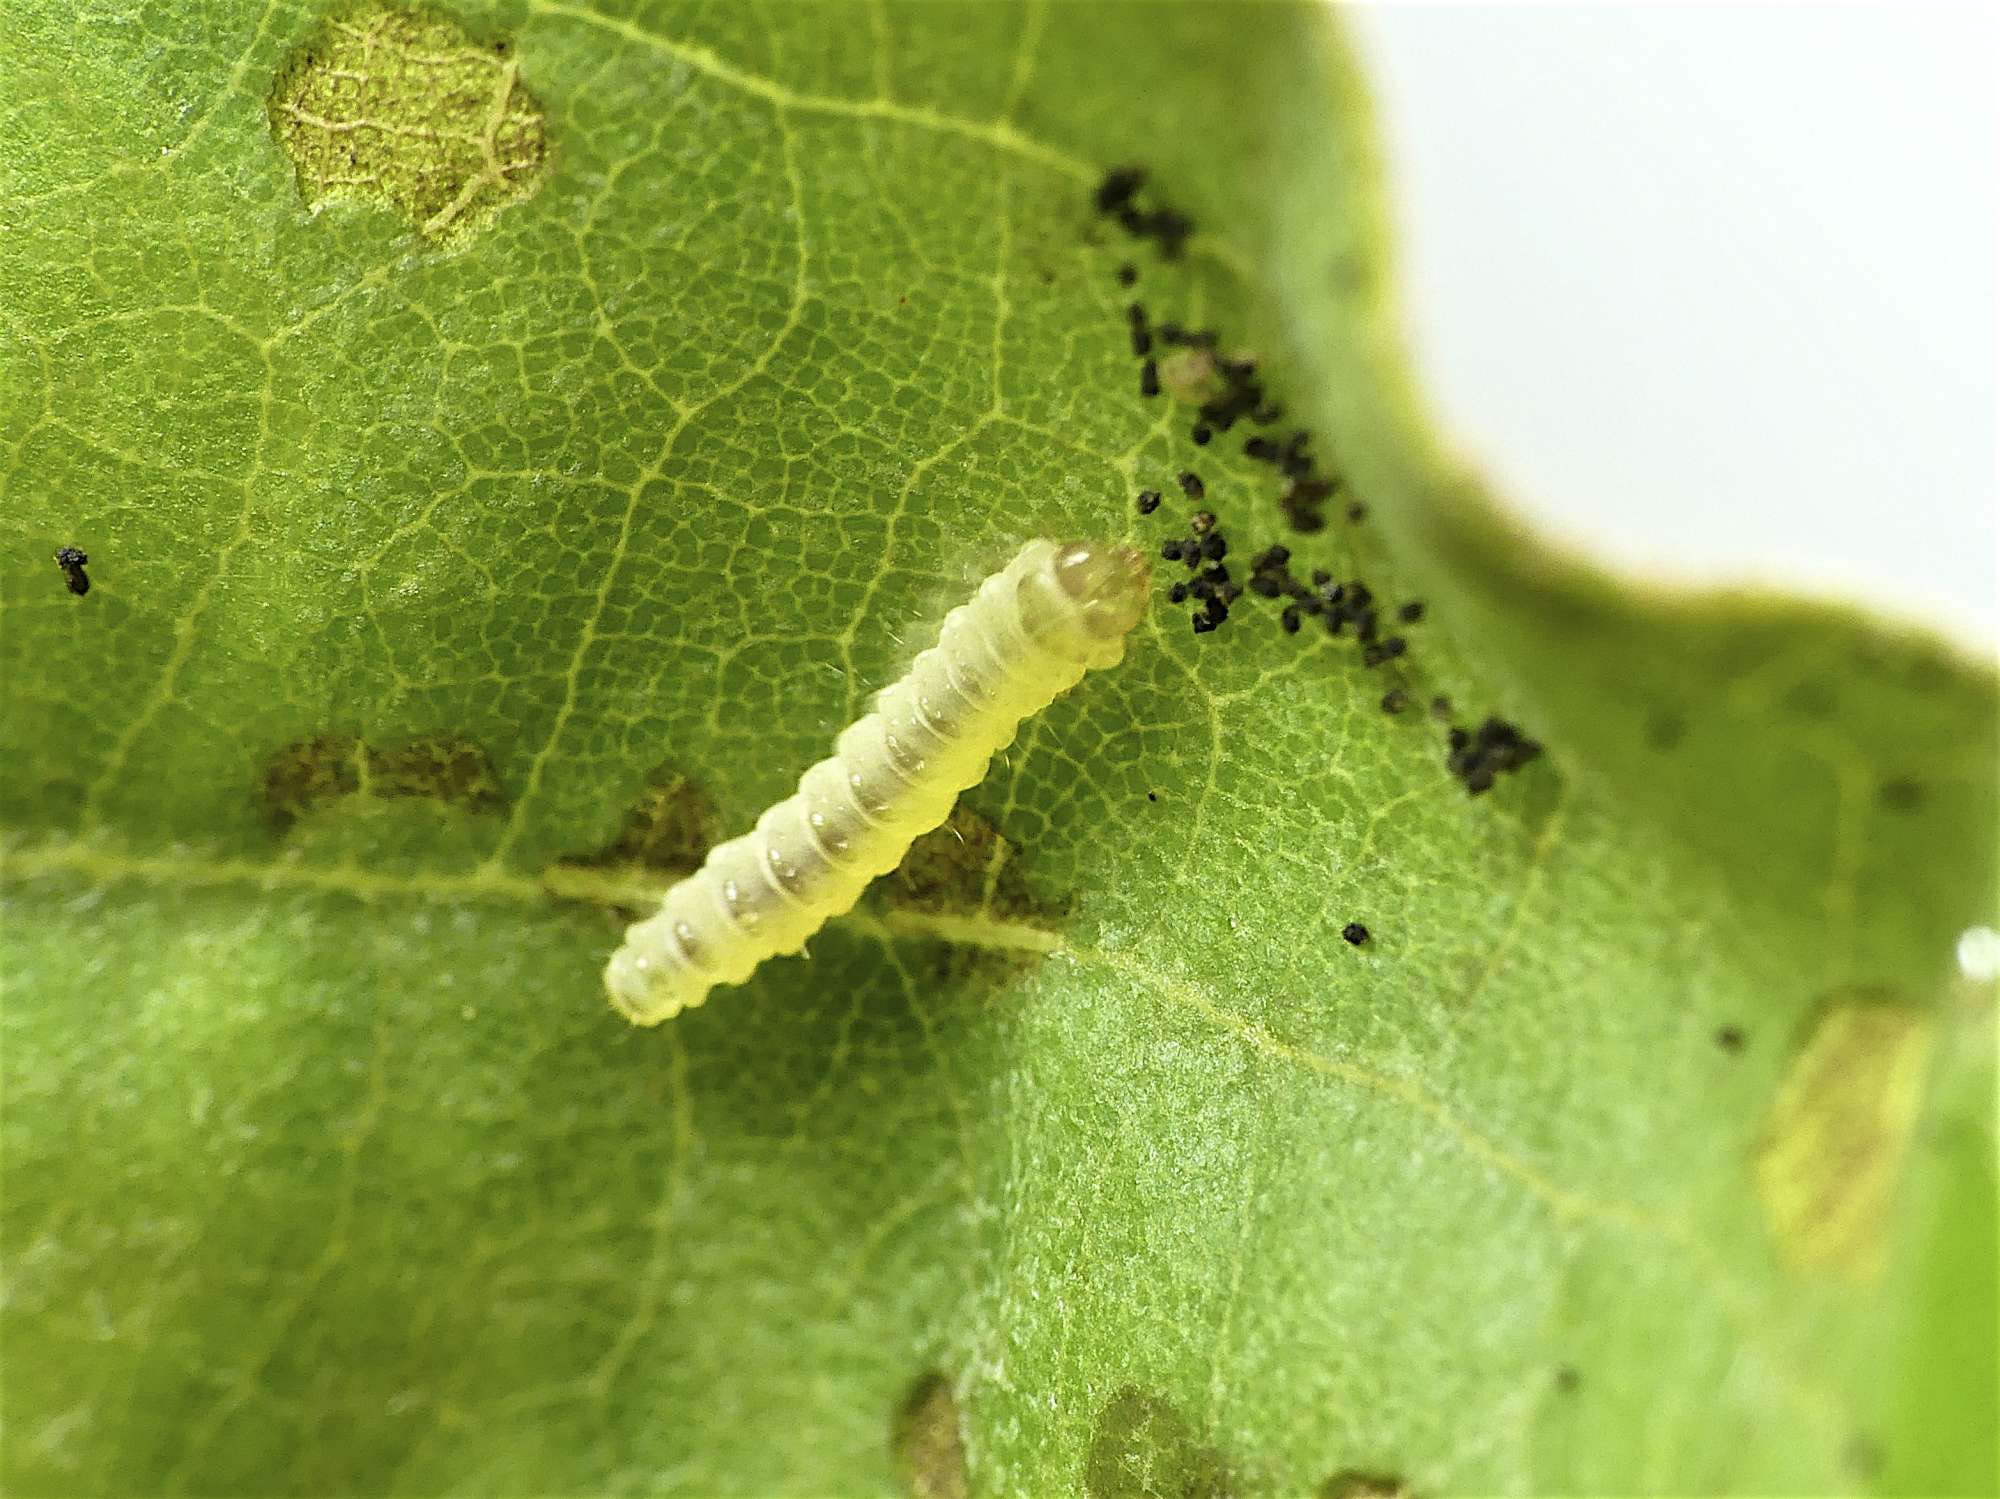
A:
[1027,636]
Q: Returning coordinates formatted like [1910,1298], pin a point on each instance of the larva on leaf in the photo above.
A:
[1025,638]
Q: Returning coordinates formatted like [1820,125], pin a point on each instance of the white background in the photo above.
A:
[1709,290]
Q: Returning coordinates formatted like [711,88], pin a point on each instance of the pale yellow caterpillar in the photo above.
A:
[1025,638]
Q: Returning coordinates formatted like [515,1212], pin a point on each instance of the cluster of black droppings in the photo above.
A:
[1210,586]
[1142,335]
[1268,571]
[1304,502]
[1355,933]
[1336,605]
[1480,756]
[1117,198]
[71,560]
[1242,397]
[1242,394]
[1306,489]
[1375,652]
[1344,604]
[1229,390]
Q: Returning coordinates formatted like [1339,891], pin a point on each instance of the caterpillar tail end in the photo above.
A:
[640,992]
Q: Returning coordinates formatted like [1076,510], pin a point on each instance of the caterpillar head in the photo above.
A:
[1107,587]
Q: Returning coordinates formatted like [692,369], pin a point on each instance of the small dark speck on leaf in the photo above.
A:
[71,560]
[1864,1455]
[1355,933]
[1729,1037]
[1476,757]
[1665,730]
[1567,1379]
[1902,794]
[1118,186]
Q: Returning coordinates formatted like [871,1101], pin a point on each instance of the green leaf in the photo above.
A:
[509,442]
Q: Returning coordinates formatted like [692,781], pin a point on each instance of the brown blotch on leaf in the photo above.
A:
[306,773]
[309,773]
[1359,1483]
[447,770]
[1142,1448]
[667,832]
[670,828]
[968,868]
[927,1443]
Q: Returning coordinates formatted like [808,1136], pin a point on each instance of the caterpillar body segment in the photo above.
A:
[1026,637]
